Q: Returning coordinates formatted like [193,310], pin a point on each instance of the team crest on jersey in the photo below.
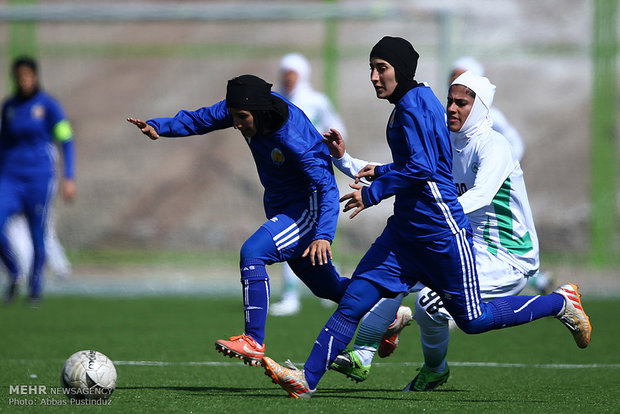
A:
[38,112]
[277,156]
[474,168]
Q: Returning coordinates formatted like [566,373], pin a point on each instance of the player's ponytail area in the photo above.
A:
[162,347]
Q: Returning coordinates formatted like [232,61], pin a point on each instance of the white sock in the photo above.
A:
[373,326]
[435,338]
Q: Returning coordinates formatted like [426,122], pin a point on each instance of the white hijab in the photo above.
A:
[469,63]
[478,121]
[297,63]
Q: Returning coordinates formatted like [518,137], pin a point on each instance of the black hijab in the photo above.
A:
[30,63]
[251,93]
[399,53]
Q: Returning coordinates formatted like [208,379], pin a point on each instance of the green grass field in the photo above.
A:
[163,348]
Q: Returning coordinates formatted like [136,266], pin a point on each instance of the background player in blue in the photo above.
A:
[300,199]
[31,121]
[428,239]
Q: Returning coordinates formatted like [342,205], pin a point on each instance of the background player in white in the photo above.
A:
[492,192]
[55,258]
[294,72]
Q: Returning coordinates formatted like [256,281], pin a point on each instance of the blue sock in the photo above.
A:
[517,310]
[255,283]
[332,340]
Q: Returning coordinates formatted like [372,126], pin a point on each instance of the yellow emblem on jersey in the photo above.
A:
[277,156]
[38,112]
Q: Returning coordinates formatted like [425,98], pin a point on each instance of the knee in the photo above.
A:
[472,327]
[429,311]
[248,251]
[359,298]
[257,246]
[426,319]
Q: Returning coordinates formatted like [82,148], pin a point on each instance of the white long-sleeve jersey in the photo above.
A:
[350,166]
[492,192]
[317,108]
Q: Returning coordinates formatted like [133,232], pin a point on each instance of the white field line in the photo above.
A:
[232,363]
[385,364]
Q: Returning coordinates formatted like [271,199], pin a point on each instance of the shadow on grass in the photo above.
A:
[340,393]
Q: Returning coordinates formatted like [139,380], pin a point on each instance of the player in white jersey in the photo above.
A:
[543,281]
[492,192]
[295,86]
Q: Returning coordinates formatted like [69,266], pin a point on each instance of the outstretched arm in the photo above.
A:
[357,169]
[146,129]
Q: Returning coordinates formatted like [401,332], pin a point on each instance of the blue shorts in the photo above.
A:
[292,231]
[284,237]
[446,265]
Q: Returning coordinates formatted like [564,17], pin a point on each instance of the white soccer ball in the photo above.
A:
[88,375]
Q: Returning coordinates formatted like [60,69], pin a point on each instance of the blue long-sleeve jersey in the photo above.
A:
[292,162]
[420,176]
[29,127]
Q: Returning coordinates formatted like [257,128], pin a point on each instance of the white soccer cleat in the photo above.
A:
[390,340]
[286,307]
[573,315]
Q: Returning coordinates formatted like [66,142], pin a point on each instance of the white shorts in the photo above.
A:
[497,278]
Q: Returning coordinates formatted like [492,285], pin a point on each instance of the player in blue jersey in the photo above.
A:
[428,239]
[31,121]
[300,199]
[295,86]
[493,195]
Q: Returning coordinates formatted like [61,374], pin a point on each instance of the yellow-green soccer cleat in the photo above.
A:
[349,364]
[292,380]
[243,347]
[573,315]
[427,380]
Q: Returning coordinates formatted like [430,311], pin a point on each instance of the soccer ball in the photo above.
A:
[88,375]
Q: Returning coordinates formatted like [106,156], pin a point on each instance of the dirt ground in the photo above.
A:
[224,280]
[202,193]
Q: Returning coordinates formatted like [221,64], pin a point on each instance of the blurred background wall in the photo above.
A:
[108,60]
